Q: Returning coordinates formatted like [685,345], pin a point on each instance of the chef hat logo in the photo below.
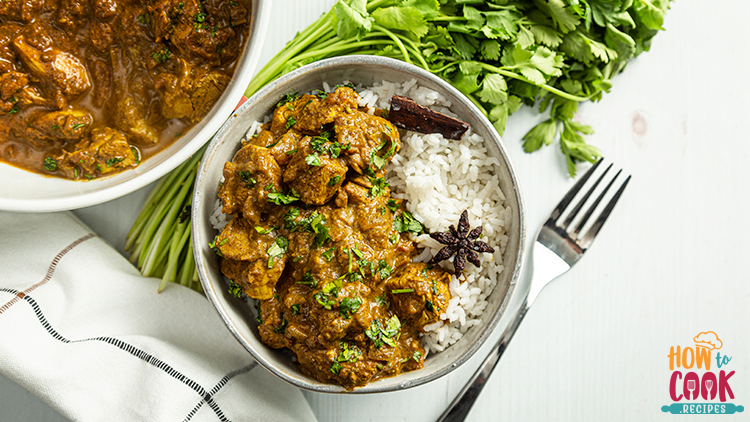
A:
[709,339]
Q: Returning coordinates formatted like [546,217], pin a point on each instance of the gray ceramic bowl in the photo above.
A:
[235,312]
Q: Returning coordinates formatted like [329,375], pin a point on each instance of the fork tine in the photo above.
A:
[588,238]
[565,201]
[594,205]
[583,200]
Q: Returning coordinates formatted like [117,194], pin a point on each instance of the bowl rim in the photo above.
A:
[229,100]
[323,66]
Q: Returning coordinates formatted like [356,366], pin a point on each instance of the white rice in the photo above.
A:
[439,179]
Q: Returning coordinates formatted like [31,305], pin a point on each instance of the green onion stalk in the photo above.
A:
[500,54]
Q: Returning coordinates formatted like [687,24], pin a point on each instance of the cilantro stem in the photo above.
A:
[546,87]
[395,39]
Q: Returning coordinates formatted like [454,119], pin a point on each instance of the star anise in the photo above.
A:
[462,243]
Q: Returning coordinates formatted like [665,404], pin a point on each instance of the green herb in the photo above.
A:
[334,180]
[281,199]
[313,160]
[417,356]
[391,205]
[114,160]
[357,252]
[349,306]
[379,161]
[336,368]
[291,121]
[326,296]
[399,291]
[261,230]
[50,164]
[281,328]
[384,270]
[257,312]
[378,186]
[384,335]
[75,172]
[328,255]
[162,55]
[308,280]
[277,249]
[292,152]
[215,247]
[295,309]
[407,223]
[394,238]
[297,259]
[79,125]
[14,110]
[349,353]
[144,19]
[246,177]
[382,300]
[434,287]
[55,127]
[88,176]
[288,98]
[354,277]
[137,156]
[429,306]
[235,289]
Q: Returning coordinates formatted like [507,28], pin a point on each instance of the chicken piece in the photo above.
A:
[284,147]
[252,260]
[102,78]
[130,107]
[59,68]
[315,175]
[11,83]
[104,9]
[71,14]
[248,180]
[21,10]
[311,113]
[192,95]
[101,35]
[374,141]
[273,323]
[419,293]
[8,31]
[63,124]
[105,151]
[190,28]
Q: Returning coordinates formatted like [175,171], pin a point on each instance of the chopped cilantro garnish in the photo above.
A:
[391,205]
[313,160]
[334,180]
[50,164]
[384,270]
[246,177]
[235,289]
[261,230]
[328,255]
[399,291]
[336,368]
[288,98]
[292,152]
[429,306]
[349,306]
[215,247]
[382,300]
[162,55]
[295,309]
[114,160]
[281,328]
[407,223]
[281,199]
[79,125]
[277,249]
[291,121]
[384,335]
[14,110]
[378,186]
[308,280]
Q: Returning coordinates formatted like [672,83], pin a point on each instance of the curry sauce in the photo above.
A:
[317,239]
[93,87]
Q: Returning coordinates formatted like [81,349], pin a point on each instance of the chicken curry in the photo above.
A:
[92,87]
[318,240]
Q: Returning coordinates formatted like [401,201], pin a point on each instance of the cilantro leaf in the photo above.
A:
[353,19]
[405,18]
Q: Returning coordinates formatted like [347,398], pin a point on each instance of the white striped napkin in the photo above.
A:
[82,330]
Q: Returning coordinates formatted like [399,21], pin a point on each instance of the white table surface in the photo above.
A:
[668,264]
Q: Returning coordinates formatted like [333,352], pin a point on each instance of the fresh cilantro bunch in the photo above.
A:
[500,53]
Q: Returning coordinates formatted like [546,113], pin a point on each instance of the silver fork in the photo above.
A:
[557,248]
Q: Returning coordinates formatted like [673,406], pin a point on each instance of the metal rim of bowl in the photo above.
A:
[260,16]
[323,66]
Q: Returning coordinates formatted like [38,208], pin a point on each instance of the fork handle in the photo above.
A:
[461,405]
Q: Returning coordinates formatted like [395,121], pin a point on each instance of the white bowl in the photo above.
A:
[363,70]
[21,190]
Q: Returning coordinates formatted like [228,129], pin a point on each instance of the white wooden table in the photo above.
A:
[669,263]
